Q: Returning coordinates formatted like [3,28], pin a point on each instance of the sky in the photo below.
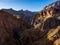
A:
[32,5]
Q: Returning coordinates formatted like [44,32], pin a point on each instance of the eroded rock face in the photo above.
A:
[47,22]
[57,42]
[51,23]
[38,37]
[51,10]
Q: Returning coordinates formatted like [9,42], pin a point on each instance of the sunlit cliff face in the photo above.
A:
[54,5]
[41,17]
[51,10]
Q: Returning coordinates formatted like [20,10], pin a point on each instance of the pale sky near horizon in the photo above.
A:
[32,5]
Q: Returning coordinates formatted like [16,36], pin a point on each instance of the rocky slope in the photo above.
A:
[44,35]
[10,29]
